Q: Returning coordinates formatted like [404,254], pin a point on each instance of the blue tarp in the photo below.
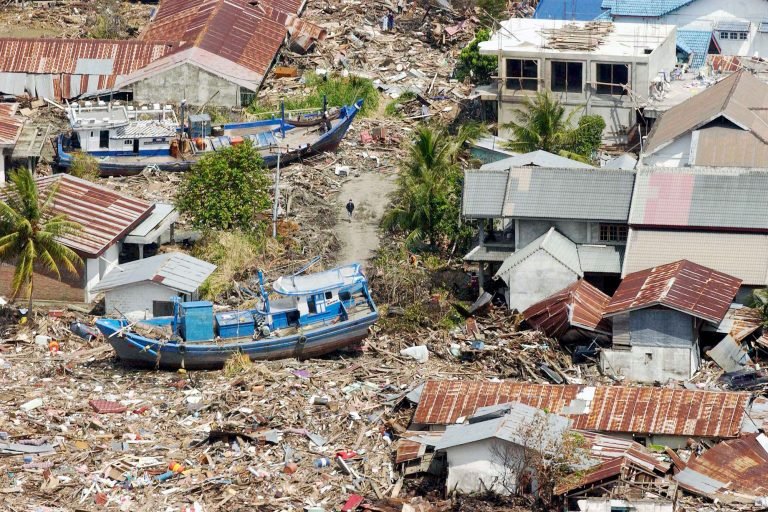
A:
[579,10]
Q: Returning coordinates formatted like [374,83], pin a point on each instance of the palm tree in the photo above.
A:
[541,124]
[428,183]
[29,233]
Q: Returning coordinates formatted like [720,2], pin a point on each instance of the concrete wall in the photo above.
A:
[534,279]
[618,111]
[661,327]
[676,154]
[189,82]
[476,467]
[529,230]
[97,268]
[651,364]
[606,504]
[135,300]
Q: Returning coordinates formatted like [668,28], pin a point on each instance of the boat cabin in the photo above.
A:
[112,129]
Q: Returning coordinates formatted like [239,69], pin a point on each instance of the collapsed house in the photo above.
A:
[214,52]
[108,220]
[658,315]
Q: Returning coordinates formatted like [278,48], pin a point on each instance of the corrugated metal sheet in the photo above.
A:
[536,158]
[553,243]
[484,193]
[10,124]
[104,214]
[701,198]
[579,305]
[733,25]
[729,355]
[685,286]
[741,255]
[734,471]
[640,410]
[735,98]
[175,270]
[603,259]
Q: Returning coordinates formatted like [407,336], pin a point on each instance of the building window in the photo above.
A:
[611,78]
[104,139]
[246,97]
[522,74]
[743,36]
[567,76]
[128,141]
[613,232]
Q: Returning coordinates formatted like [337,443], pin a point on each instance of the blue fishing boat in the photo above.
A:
[125,140]
[312,315]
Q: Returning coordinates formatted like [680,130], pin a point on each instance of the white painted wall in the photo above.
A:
[97,268]
[676,154]
[604,505]
[135,300]
[664,363]
[476,467]
[536,278]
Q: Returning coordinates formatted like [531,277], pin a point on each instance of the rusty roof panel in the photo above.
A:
[10,124]
[104,215]
[579,305]
[732,471]
[641,410]
[682,285]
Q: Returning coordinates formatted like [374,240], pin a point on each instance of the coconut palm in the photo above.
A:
[428,183]
[29,233]
[543,124]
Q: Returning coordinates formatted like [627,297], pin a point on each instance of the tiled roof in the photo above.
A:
[579,305]
[10,124]
[695,42]
[741,255]
[733,25]
[553,243]
[104,214]
[540,192]
[175,270]
[684,286]
[644,8]
[581,10]
[737,101]
[639,410]
[700,198]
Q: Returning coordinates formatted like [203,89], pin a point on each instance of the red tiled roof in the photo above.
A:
[579,305]
[10,124]
[104,215]
[682,285]
[641,410]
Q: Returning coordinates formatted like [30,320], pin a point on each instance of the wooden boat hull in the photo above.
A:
[137,351]
[131,166]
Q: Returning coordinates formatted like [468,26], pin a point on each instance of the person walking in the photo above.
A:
[390,21]
[400,6]
[350,209]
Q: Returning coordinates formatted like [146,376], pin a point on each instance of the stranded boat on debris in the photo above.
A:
[125,140]
[316,314]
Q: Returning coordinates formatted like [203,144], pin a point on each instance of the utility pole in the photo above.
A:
[277,196]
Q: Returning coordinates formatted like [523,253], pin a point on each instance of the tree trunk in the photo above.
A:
[29,303]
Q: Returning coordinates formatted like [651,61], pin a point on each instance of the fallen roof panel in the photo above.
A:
[640,410]
[579,305]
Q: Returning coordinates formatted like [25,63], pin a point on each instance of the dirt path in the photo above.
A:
[360,238]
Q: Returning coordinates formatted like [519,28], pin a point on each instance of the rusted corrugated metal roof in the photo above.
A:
[243,32]
[44,56]
[579,305]
[10,124]
[104,214]
[732,471]
[640,410]
[682,285]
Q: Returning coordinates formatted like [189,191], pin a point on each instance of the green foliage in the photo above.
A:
[760,302]
[339,91]
[29,233]
[84,166]
[393,108]
[225,190]
[427,202]
[543,124]
[108,22]
[479,67]
[587,136]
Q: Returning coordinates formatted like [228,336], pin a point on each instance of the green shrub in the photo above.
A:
[480,68]
[84,166]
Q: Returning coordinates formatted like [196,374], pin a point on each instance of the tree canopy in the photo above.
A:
[29,233]
[226,189]
[479,67]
